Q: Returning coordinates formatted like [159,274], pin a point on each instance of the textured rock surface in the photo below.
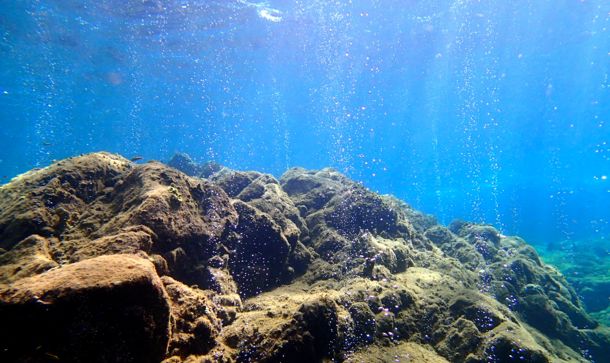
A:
[109,308]
[586,265]
[150,263]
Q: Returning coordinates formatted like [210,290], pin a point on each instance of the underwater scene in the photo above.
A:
[305,181]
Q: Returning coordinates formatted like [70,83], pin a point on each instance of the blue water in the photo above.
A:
[491,111]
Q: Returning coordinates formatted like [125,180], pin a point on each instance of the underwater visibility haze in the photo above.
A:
[488,111]
[491,112]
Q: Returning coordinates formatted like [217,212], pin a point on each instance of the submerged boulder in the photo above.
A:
[102,204]
[259,251]
[195,319]
[185,164]
[513,273]
[262,205]
[109,308]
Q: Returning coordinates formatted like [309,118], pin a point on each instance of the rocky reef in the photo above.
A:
[586,265]
[105,260]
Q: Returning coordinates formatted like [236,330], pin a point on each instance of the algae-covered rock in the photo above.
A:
[586,266]
[401,352]
[109,308]
[259,258]
[329,198]
[101,204]
[45,202]
[513,272]
[260,195]
[29,257]
[185,164]
[195,321]
[105,260]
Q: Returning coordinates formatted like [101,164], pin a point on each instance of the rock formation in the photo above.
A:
[587,268]
[103,260]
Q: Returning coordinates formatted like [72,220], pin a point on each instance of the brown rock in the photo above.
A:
[29,257]
[110,308]
[194,319]
[32,203]
[100,204]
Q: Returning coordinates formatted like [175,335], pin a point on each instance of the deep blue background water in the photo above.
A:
[492,111]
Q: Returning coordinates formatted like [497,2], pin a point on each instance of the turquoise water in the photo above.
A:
[489,111]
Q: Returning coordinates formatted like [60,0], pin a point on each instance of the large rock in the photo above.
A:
[101,204]
[259,251]
[286,325]
[50,201]
[265,246]
[265,193]
[195,322]
[29,257]
[513,273]
[352,228]
[106,309]
[586,265]
[330,198]
[185,164]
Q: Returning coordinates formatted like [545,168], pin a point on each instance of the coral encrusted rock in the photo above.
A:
[105,260]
